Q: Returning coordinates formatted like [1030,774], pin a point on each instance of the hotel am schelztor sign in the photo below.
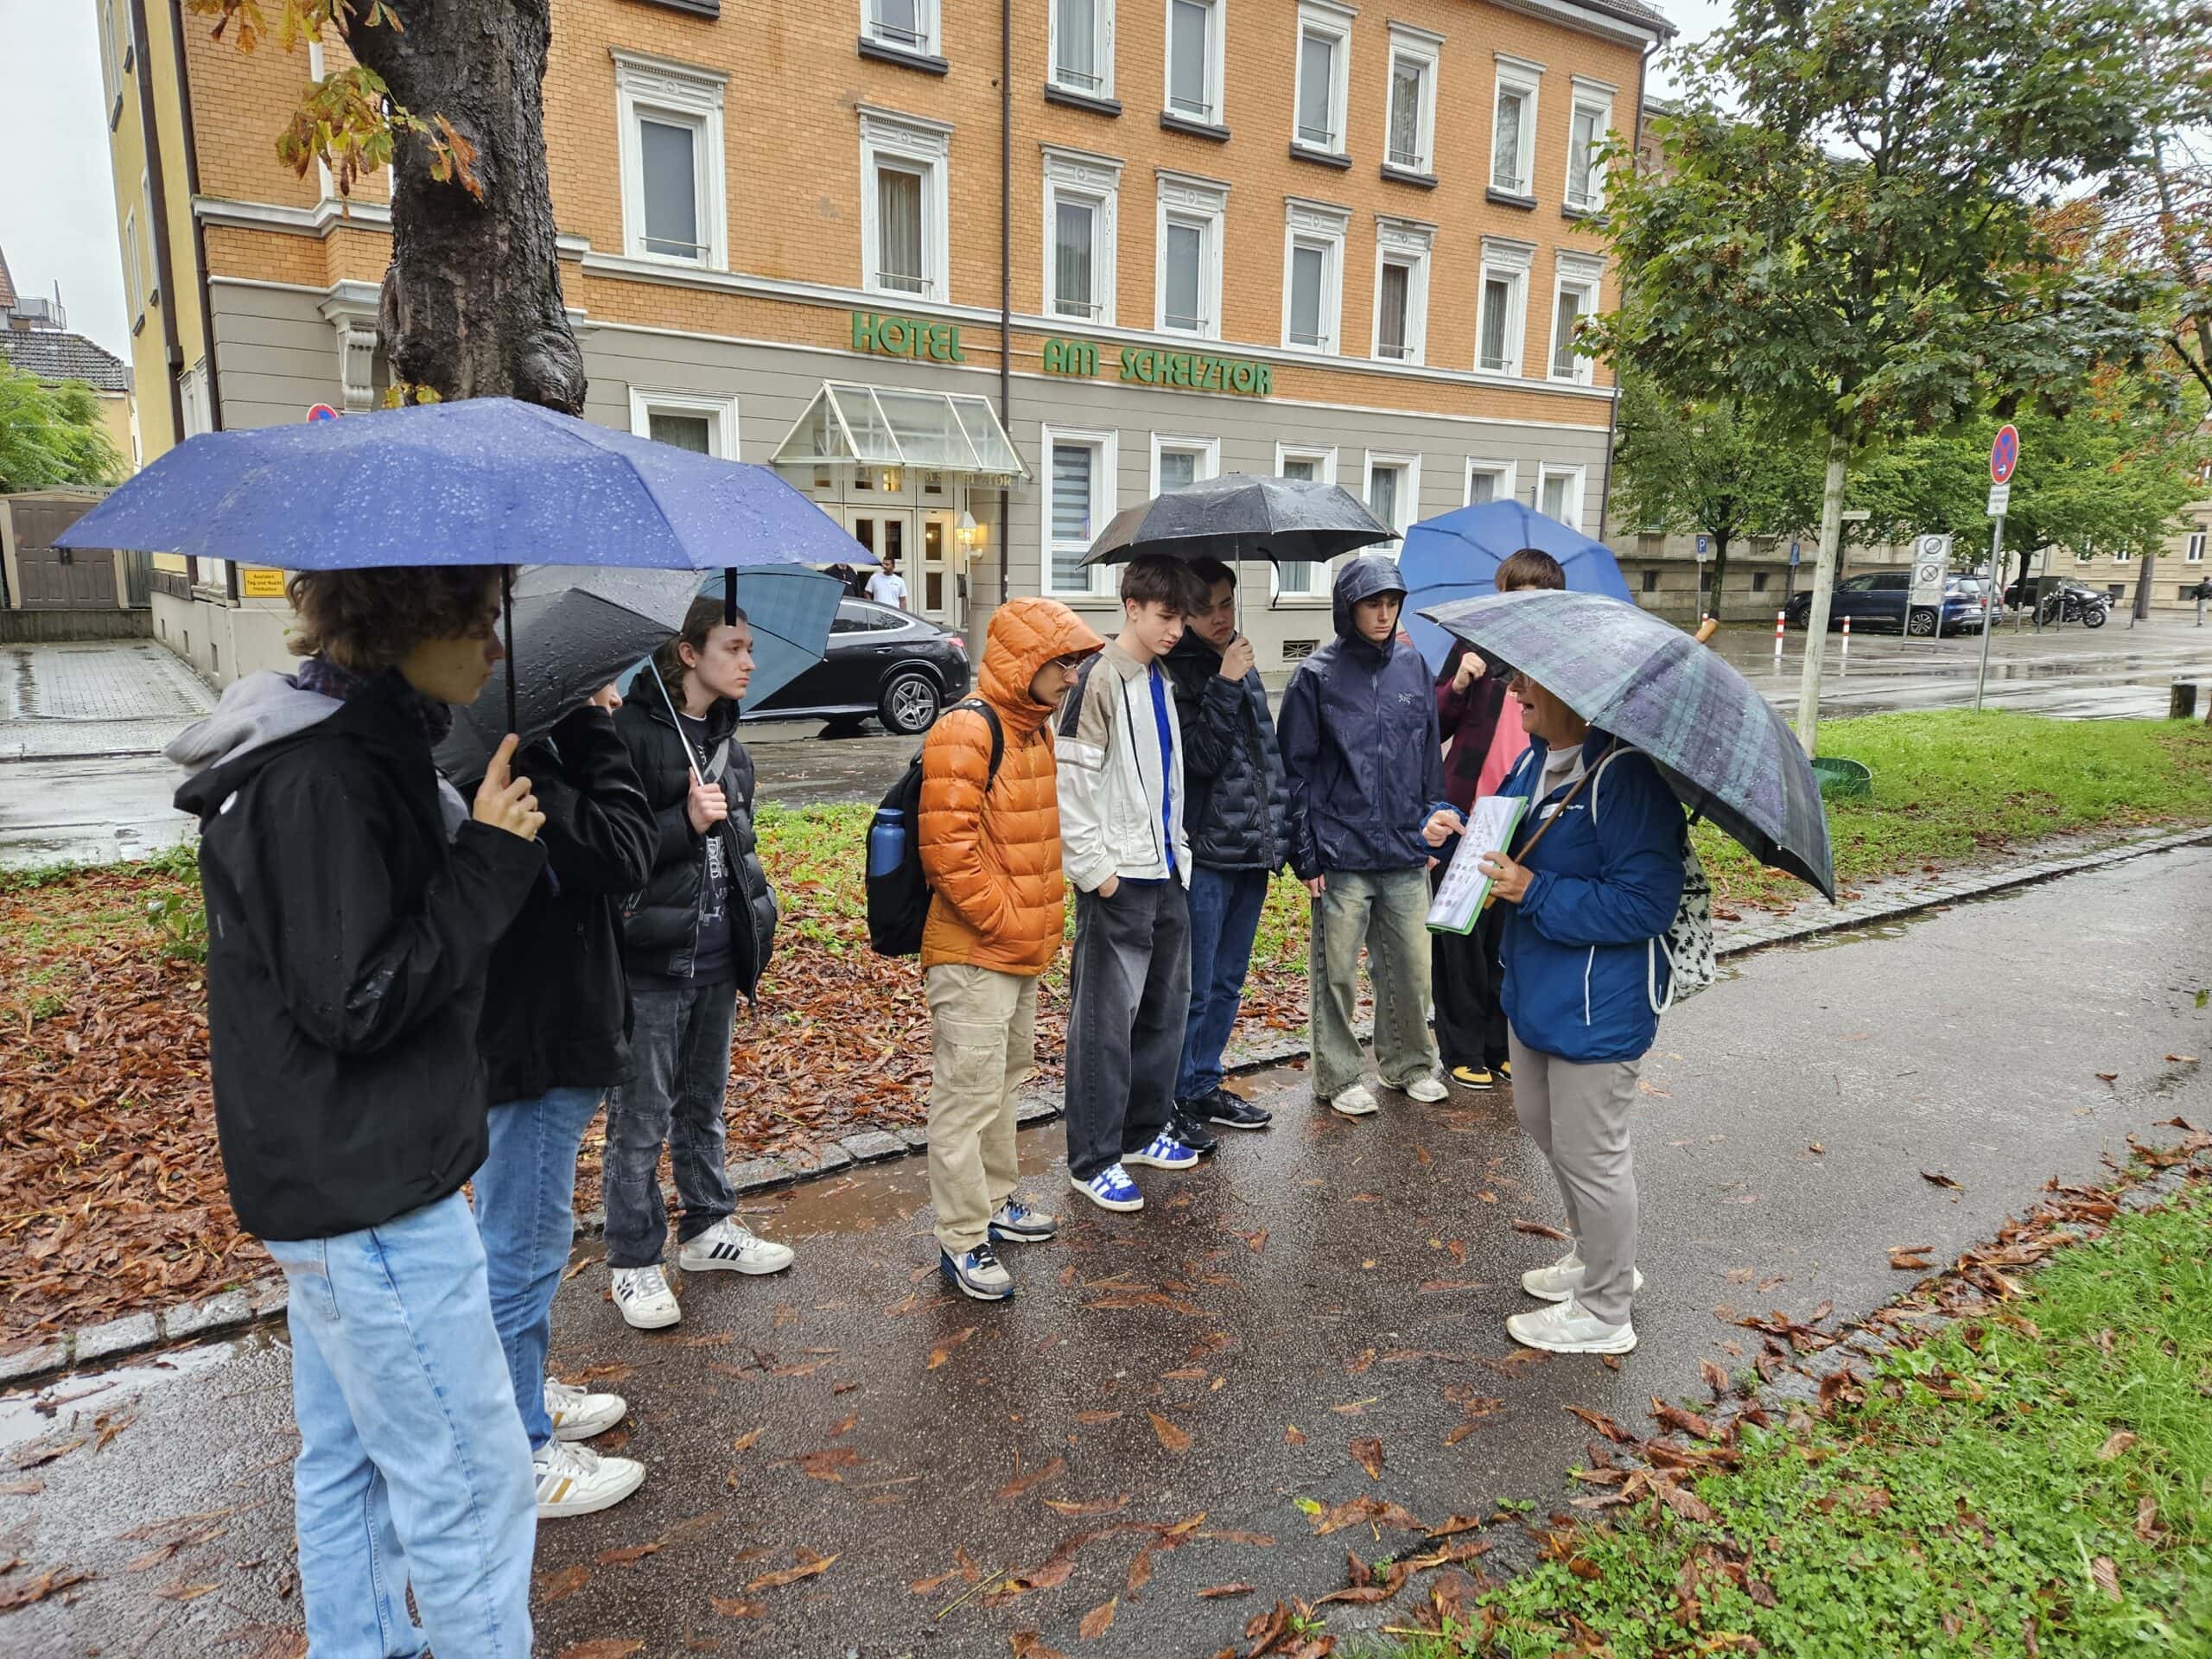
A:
[1140,364]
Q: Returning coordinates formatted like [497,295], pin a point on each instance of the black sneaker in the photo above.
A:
[1230,1111]
[1190,1129]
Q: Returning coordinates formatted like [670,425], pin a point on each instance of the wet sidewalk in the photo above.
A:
[831,1451]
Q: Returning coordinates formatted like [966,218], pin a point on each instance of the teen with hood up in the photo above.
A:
[990,845]
[696,940]
[353,900]
[1368,813]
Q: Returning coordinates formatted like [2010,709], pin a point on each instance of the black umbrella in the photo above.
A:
[1240,517]
[574,628]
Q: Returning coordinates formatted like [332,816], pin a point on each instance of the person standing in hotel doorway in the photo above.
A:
[991,845]
[1483,739]
[1368,819]
[1235,820]
[886,585]
[1120,753]
[693,941]
[556,1038]
[353,900]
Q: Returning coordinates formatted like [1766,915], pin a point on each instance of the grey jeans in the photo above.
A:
[1128,998]
[1386,911]
[680,1046]
[1578,1117]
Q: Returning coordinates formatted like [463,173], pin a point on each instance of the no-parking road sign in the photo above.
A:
[2003,454]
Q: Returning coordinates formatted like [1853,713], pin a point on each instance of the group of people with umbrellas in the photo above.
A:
[388,954]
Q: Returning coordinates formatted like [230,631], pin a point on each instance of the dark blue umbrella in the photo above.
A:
[1455,555]
[1721,747]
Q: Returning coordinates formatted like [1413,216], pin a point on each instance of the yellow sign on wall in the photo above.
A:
[258,582]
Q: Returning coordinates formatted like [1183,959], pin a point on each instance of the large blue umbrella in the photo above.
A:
[1721,747]
[1455,555]
[790,611]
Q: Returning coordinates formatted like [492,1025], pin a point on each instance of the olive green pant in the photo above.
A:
[983,1041]
[1387,912]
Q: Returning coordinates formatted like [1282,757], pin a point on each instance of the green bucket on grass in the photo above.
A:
[1845,779]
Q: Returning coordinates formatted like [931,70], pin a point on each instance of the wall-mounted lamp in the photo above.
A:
[973,537]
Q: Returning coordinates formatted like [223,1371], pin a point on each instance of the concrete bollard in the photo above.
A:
[2181,703]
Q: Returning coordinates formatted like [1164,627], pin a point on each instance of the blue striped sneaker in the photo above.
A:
[1111,1189]
[1165,1151]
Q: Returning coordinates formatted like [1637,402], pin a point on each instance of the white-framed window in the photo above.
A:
[1313,276]
[2194,555]
[1501,308]
[1402,249]
[2123,556]
[902,25]
[1588,122]
[1575,296]
[670,138]
[1195,57]
[193,391]
[1393,491]
[134,268]
[1324,77]
[1079,468]
[905,208]
[1489,481]
[703,422]
[110,58]
[1409,139]
[1186,283]
[1178,460]
[1081,195]
[1083,47]
[1513,127]
[1558,493]
[1304,578]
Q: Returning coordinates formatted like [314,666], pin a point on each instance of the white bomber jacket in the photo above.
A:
[1110,781]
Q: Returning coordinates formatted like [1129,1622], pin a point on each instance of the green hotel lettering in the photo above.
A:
[906,337]
[1147,367]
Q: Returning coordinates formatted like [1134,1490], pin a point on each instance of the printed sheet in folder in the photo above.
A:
[1459,896]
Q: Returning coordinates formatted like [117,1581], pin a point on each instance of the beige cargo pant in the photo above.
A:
[984,1031]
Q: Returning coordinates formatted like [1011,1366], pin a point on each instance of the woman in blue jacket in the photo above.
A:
[1593,882]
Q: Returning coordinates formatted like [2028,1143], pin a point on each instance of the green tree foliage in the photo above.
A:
[51,435]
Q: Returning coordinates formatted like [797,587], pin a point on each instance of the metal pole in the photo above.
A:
[507,614]
[1996,552]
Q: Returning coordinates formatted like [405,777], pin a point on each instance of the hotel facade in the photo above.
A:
[973,277]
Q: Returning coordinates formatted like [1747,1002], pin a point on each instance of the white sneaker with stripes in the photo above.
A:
[577,1414]
[729,1246]
[642,1296]
[576,1480]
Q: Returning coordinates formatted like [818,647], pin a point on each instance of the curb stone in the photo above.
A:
[236,1308]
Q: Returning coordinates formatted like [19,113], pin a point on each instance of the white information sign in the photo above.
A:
[2001,498]
[1931,563]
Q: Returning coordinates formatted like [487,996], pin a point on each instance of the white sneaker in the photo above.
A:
[643,1295]
[1425,1088]
[1565,1329]
[578,1414]
[1558,1282]
[728,1245]
[576,1480]
[1358,1100]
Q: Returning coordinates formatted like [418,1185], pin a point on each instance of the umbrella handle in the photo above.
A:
[507,614]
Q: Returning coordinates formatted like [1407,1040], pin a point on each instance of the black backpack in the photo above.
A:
[898,902]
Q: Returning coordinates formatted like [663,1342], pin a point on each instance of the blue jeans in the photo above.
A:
[1225,907]
[525,1208]
[413,1471]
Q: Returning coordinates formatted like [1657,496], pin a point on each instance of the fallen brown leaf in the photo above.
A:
[1681,1421]
[1034,1478]
[627,1555]
[1090,1507]
[1029,1644]
[1139,1573]
[564,1581]
[2107,1576]
[1605,1426]
[1365,1508]
[745,1441]
[1257,1540]
[943,1351]
[2117,1442]
[1909,1258]
[1367,1452]
[1091,1418]
[1538,1229]
[790,1575]
[735,1607]
[1216,1591]
[1937,1178]
[1097,1621]
[1715,1377]
[1293,1435]
[1171,1438]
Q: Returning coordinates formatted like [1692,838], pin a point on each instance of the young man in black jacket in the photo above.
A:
[693,941]
[556,1036]
[353,902]
[1235,817]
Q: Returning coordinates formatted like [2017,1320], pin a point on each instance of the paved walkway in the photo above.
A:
[1326,1282]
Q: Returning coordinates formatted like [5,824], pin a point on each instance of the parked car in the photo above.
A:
[899,668]
[1881,599]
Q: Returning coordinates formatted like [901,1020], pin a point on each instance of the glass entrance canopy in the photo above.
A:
[878,427]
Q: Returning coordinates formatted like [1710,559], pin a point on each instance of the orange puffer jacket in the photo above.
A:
[993,859]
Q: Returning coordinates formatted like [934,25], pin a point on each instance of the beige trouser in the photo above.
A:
[1578,1117]
[983,1025]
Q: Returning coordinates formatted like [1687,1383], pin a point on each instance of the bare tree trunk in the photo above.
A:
[1816,620]
[472,304]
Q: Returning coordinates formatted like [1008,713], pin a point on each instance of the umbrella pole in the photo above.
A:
[729,596]
[507,615]
[653,669]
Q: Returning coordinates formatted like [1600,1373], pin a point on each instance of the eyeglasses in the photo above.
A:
[1068,664]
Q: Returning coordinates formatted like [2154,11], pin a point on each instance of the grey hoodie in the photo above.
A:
[264,708]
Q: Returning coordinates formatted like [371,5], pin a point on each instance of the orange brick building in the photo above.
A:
[872,241]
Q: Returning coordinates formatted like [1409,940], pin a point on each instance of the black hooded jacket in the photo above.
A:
[660,929]
[1238,803]
[556,1009]
[1359,743]
[347,944]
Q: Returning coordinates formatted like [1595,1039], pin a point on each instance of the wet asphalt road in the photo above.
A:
[1346,1279]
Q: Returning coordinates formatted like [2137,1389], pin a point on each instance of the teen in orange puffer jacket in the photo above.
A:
[992,855]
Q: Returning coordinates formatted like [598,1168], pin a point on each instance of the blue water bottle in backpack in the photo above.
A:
[886,842]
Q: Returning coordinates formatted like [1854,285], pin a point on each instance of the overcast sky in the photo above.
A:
[57,196]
